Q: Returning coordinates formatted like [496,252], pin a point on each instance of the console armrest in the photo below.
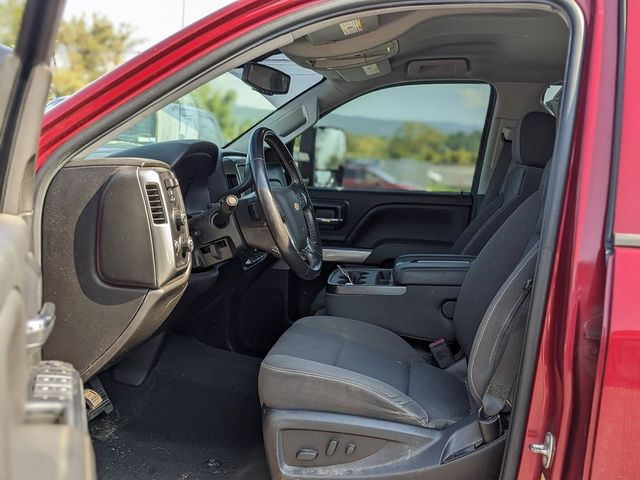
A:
[434,269]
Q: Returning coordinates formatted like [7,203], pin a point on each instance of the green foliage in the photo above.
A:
[417,140]
[10,17]
[420,141]
[86,49]
[365,146]
[221,103]
[464,141]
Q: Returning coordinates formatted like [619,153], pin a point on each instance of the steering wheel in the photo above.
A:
[287,211]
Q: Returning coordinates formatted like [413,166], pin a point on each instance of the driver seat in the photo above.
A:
[344,398]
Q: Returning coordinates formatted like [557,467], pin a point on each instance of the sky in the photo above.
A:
[458,103]
[152,20]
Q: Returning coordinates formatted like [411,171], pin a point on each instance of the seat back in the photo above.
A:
[493,290]
[531,149]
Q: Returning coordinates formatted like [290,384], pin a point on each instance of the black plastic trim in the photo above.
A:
[609,240]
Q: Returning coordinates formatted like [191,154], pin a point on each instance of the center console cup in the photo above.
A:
[415,299]
[363,281]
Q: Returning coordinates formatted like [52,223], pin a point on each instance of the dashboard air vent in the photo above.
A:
[232,180]
[155,203]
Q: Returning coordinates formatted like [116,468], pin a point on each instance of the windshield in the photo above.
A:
[219,111]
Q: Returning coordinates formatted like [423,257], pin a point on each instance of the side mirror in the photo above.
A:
[265,79]
[330,155]
[330,148]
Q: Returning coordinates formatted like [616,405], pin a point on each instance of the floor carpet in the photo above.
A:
[197,416]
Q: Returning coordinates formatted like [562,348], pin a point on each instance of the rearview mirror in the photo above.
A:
[264,79]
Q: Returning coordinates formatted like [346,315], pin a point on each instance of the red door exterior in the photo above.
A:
[616,419]
[561,402]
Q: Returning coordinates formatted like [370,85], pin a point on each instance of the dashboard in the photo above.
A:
[116,257]
[207,176]
[125,236]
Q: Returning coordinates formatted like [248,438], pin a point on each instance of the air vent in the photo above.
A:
[155,203]
[232,180]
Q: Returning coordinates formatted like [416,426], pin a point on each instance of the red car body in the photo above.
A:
[587,384]
[366,176]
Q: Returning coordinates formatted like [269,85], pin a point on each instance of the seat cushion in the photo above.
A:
[339,365]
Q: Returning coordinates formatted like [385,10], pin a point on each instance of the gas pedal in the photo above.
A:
[96,399]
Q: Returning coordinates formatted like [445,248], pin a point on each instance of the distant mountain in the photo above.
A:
[357,125]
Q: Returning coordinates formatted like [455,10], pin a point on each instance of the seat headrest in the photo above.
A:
[533,139]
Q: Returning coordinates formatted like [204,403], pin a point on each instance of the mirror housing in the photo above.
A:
[265,79]
[330,147]
[330,155]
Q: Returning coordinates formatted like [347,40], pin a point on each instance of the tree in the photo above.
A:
[367,146]
[220,104]
[10,18]
[417,140]
[86,49]
[465,141]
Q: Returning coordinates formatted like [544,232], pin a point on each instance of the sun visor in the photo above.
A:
[358,59]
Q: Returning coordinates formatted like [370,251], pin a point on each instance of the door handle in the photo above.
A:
[39,328]
[334,222]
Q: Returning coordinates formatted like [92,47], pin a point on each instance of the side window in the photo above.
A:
[413,137]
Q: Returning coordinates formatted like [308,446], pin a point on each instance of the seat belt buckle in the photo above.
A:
[490,426]
[441,353]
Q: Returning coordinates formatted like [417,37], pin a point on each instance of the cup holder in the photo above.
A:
[373,281]
[358,278]
[383,277]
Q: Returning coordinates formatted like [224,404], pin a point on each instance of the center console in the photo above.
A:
[415,299]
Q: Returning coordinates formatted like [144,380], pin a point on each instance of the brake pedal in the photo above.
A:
[96,399]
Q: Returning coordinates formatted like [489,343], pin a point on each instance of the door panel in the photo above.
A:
[392,172]
[40,438]
[43,426]
[390,223]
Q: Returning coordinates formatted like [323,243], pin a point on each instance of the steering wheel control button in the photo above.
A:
[351,449]
[331,448]
[306,454]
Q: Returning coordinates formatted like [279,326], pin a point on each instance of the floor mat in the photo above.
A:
[196,417]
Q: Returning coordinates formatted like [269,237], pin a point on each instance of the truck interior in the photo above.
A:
[281,299]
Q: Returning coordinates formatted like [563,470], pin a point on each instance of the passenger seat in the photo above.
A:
[531,149]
